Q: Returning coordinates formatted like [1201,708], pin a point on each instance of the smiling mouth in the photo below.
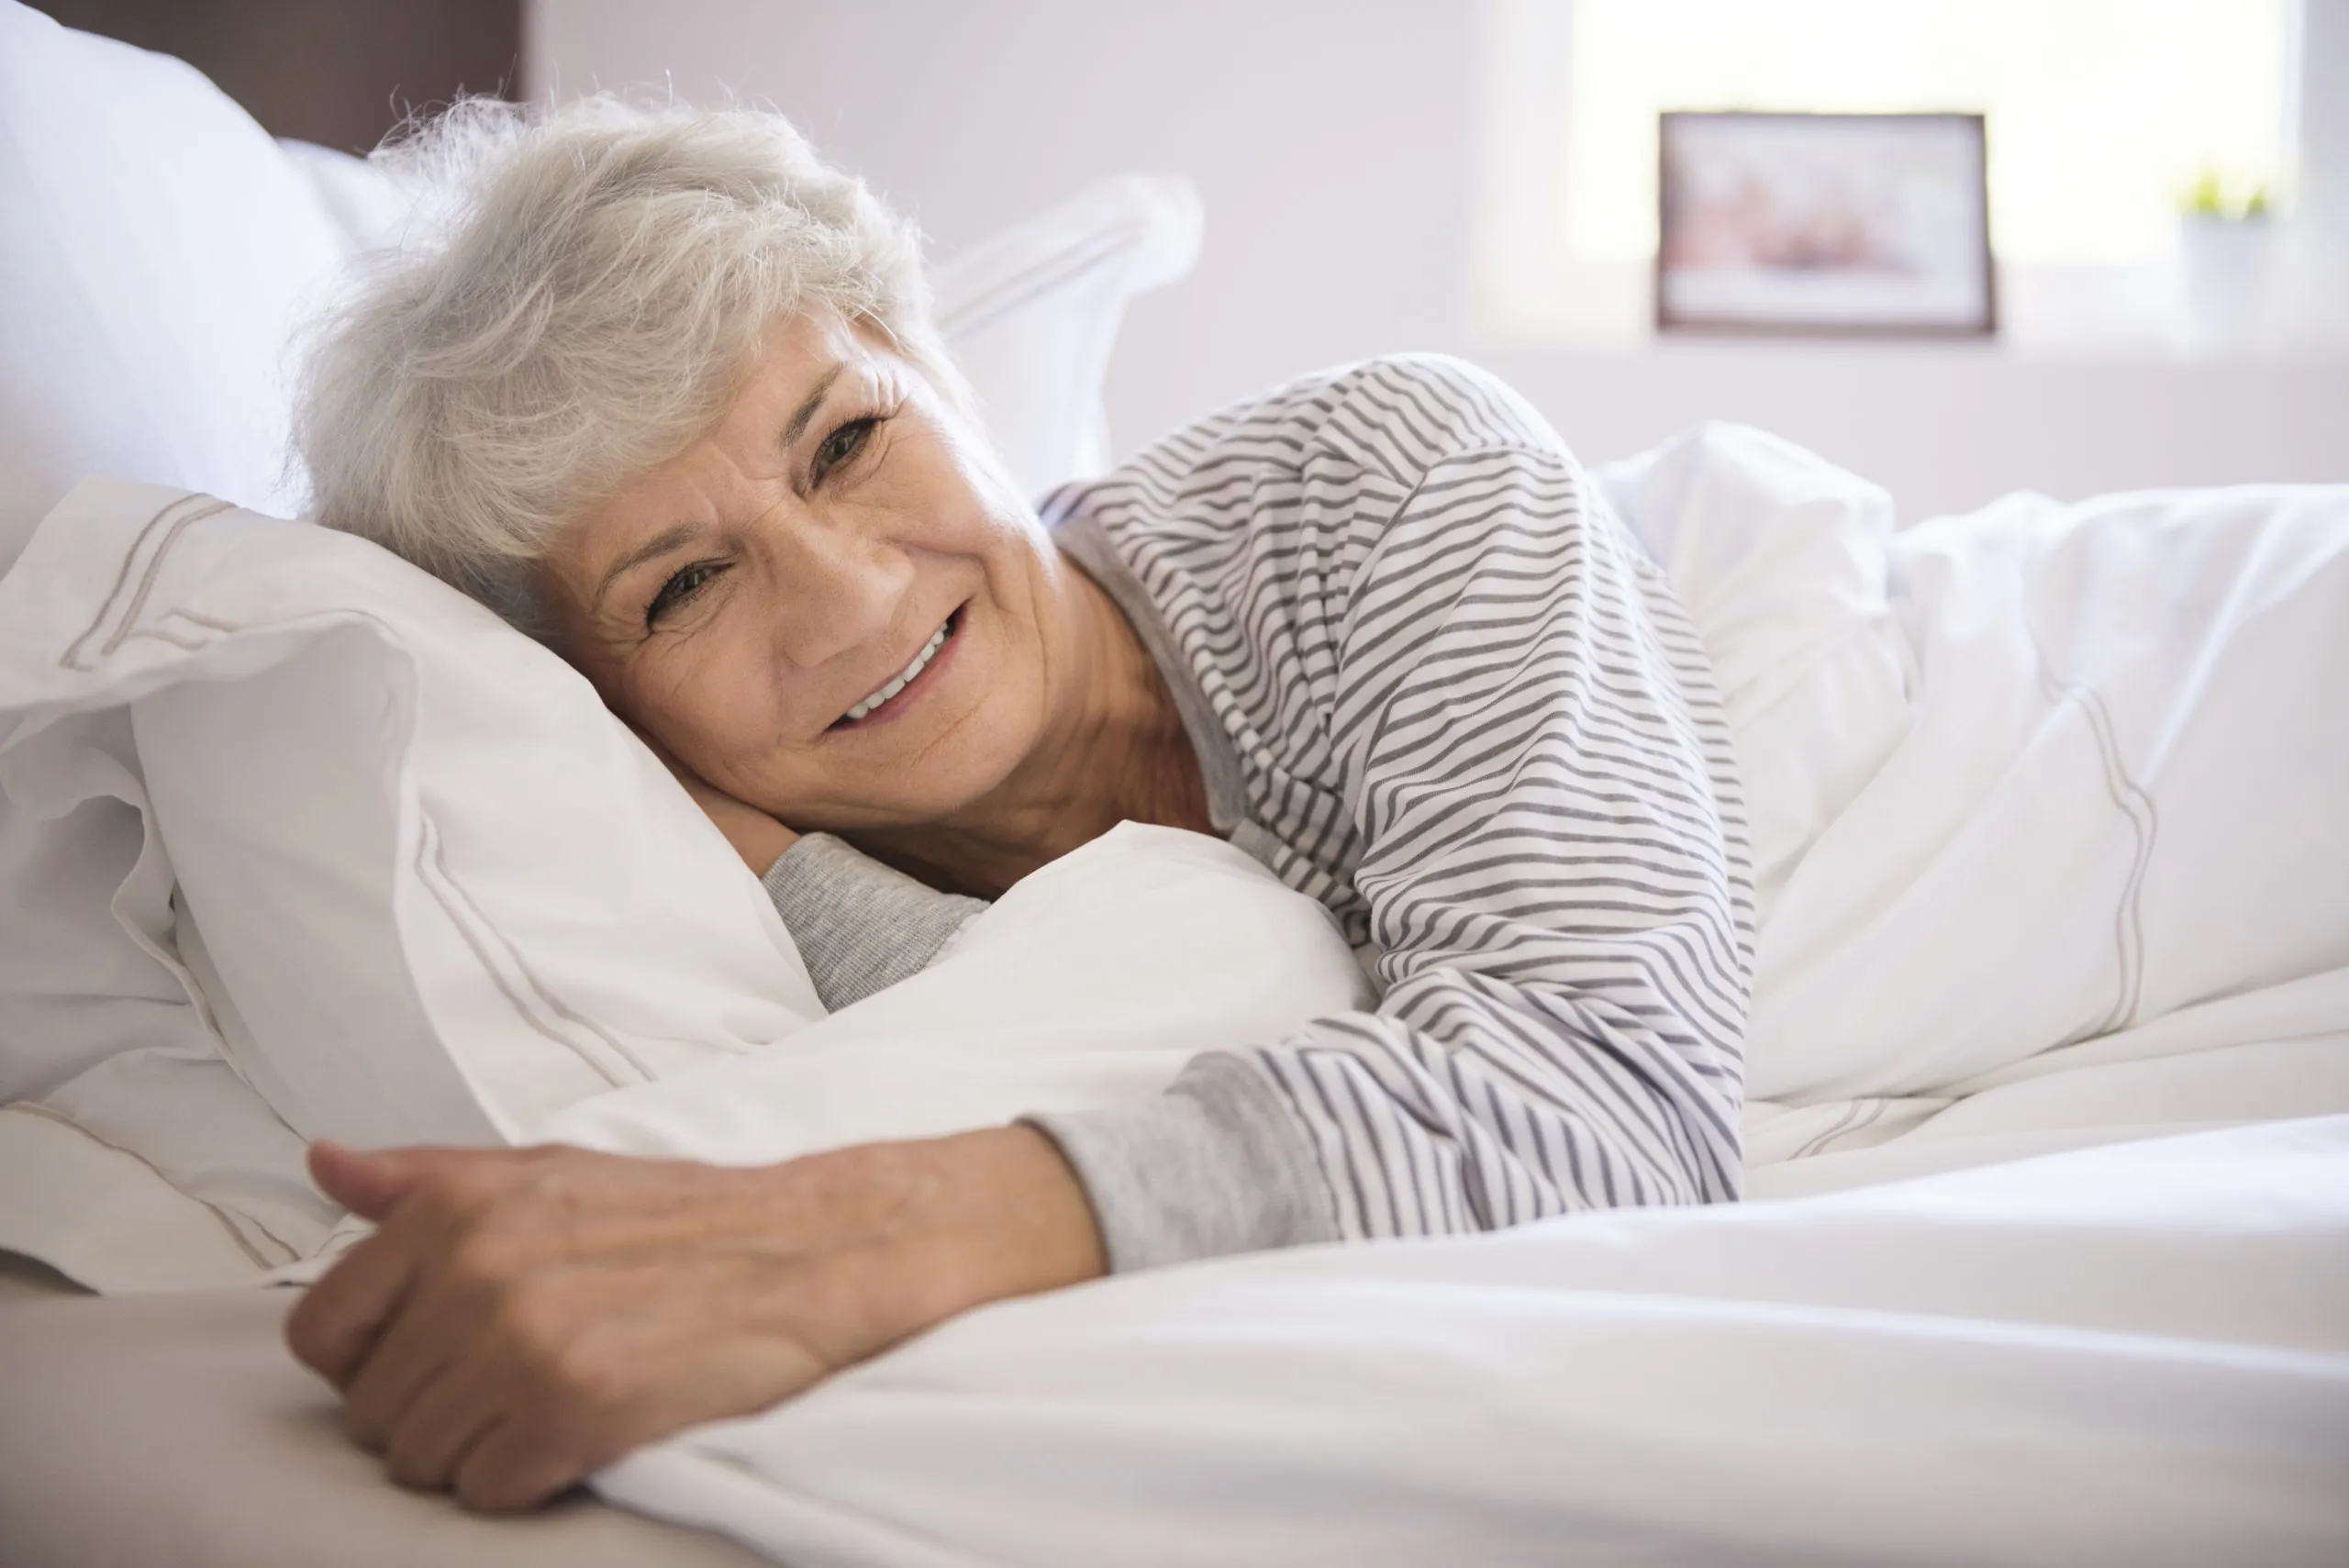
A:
[879,701]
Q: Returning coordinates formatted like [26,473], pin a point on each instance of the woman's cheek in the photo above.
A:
[668,695]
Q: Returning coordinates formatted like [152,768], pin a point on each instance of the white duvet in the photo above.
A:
[2049,808]
[2134,1355]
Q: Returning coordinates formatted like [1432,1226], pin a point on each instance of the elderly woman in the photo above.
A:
[663,391]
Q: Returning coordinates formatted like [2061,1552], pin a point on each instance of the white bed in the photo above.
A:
[2048,1117]
[2137,1354]
[173,1431]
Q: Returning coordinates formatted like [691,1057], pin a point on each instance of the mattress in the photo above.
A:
[173,1431]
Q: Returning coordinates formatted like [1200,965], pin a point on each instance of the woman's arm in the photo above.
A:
[859,925]
[521,1316]
[1553,854]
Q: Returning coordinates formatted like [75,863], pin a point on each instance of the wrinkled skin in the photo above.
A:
[522,1317]
[736,602]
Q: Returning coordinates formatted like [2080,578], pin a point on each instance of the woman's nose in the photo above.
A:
[839,587]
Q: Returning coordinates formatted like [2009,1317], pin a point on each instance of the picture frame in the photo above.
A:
[1839,224]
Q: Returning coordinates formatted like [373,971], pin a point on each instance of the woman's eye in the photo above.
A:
[679,590]
[843,444]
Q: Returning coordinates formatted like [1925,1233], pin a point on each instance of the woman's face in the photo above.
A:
[753,603]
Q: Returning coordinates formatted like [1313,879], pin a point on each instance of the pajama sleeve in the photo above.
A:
[859,925]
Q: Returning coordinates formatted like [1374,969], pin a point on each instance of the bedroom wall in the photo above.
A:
[1335,144]
[341,75]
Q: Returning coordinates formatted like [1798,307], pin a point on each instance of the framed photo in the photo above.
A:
[1824,223]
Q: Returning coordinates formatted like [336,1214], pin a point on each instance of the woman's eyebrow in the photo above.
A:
[678,535]
[675,537]
[807,409]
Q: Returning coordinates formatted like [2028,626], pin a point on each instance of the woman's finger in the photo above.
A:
[511,1467]
[416,1348]
[335,1324]
[454,1411]
[372,1181]
[333,1328]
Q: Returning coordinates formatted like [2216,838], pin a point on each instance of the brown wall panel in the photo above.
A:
[340,73]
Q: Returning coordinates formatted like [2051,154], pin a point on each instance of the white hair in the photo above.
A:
[576,301]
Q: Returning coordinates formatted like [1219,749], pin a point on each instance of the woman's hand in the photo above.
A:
[523,1317]
[758,838]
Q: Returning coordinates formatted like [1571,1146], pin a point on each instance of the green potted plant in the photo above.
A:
[2226,253]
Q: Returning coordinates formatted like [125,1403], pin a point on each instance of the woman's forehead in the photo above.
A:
[800,351]
[806,347]
[803,362]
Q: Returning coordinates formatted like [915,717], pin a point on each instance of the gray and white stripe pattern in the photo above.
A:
[1467,714]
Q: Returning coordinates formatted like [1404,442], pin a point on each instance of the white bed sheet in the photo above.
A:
[2137,1354]
[173,1431]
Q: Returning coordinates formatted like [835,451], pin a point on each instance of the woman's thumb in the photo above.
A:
[369,1182]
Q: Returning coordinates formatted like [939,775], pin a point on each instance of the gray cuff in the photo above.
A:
[859,925]
[1218,1164]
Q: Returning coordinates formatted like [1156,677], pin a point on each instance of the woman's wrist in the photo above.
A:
[758,838]
[762,844]
[1039,1211]
[962,1221]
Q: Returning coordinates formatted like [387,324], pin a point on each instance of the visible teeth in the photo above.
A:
[902,679]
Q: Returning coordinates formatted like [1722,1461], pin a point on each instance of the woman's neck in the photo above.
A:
[1116,751]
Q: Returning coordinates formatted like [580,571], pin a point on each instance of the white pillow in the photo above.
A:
[1079,988]
[429,886]
[1090,983]
[366,205]
[156,250]
[1032,314]
[376,795]
[1782,562]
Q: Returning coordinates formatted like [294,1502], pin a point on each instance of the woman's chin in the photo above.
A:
[940,774]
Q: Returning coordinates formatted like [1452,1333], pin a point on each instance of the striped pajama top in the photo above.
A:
[1433,685]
